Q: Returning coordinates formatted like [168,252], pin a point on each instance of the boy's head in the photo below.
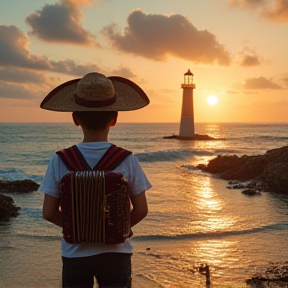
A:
[96,92]
[95,120]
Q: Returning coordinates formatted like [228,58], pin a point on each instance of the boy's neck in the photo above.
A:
[95,136]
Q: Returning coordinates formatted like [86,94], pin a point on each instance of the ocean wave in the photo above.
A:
[43,162]
[18,174]
[221,151]
[41,237]
[32,213]
[189,167]
[179,237]
[12,174]
[171,155]
[36,234]
[275,138]
[212,235]
[183,154]
[256,138]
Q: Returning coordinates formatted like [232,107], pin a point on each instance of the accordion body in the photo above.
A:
[95,203]
[96,207]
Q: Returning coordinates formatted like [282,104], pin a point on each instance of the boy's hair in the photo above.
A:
[95,120]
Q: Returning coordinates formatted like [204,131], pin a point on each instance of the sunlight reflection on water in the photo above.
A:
[193,219]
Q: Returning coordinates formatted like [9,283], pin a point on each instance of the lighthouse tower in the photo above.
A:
[187,115]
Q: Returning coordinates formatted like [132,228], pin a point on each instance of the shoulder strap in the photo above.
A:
[74,160]
[112,158]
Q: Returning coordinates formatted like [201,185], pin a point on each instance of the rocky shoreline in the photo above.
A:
[8,208]
[276,275]
[266,172]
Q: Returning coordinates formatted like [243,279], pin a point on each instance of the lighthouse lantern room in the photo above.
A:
[188,78]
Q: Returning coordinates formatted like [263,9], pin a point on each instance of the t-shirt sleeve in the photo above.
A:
[132,170]
[50,183]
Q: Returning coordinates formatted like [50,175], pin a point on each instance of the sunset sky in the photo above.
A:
[236,49]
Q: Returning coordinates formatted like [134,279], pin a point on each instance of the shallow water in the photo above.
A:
[193,218]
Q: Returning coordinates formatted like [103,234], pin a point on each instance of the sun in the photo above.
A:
[212,100]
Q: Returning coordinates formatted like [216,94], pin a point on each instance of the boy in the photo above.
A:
[94,101]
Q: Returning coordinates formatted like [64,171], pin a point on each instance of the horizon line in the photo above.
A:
[120,122]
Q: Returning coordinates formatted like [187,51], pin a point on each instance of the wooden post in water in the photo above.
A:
[207,270]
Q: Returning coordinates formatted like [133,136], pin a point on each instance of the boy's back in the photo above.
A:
[94,101]
[93,152]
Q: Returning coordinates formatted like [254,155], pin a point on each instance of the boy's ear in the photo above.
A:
[75,119]
[114,121]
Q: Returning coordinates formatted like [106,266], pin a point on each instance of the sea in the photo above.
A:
[194,218]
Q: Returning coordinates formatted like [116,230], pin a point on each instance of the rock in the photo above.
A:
[277,272]
[236,168]
[250,184]
[18,185]
[251,192]
[195,137]
[7,208]
[270,169]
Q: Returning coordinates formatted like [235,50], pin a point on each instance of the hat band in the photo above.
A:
[93,103]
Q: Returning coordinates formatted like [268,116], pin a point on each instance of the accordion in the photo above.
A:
[95,204]
[96,207]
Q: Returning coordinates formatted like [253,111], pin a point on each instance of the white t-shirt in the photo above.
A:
[92,152]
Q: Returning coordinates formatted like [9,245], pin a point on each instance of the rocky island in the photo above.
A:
[195,137]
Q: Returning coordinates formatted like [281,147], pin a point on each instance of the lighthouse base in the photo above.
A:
[195,137]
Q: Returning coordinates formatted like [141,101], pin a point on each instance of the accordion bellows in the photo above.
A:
[96,207]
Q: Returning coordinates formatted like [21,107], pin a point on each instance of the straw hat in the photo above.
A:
[96,92]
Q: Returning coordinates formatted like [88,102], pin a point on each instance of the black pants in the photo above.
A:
[110,270]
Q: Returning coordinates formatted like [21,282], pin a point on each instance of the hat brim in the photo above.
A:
[129,96]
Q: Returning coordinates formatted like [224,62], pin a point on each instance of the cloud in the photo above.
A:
[286,81]
[14,91]
[279,12]
[157,37]
[78,2]
[68,66]
[61,22]
[260,83]
[15,50]
[233,92]
[274,10]
[20,76]
[23,84]
[248,58]
[21,72]
[124,71]
[15,53]
[250,4]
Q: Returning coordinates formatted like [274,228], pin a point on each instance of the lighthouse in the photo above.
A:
[187,130]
